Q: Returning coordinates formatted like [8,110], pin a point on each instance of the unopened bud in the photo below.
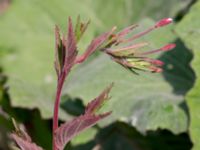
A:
[157,62]
[155,69]
[168,47]
[163,22]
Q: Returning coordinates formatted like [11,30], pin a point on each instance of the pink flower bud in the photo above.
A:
[157,62]
[163,22]
[158,70]
[155,69]
[168,47]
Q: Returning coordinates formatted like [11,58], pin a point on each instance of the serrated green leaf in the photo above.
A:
[120,136]
[189,30]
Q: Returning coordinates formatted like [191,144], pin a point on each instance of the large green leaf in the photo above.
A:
[27,40]
[189,30]
[131,10]
[120,136]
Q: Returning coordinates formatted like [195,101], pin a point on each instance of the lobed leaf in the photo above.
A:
[96,104]
[25,144]
[94,45]
[66,50]
[58,51]
[71,49]
[22,138]
[70,129]
[80,28]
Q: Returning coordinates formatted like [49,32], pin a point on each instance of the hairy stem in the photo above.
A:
[56,107]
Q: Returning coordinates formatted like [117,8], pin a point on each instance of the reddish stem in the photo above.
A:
[56,107]
[80,59]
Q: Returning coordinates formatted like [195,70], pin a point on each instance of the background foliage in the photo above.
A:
[150,111]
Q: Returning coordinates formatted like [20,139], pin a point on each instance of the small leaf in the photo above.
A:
[71,49]
[22,138]
[80,28]
[65,50]
[96,104]
[20,132]
[58,51]
[94,45]
[25,144]
[70,129]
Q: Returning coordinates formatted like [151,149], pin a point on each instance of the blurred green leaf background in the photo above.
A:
[150,111]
